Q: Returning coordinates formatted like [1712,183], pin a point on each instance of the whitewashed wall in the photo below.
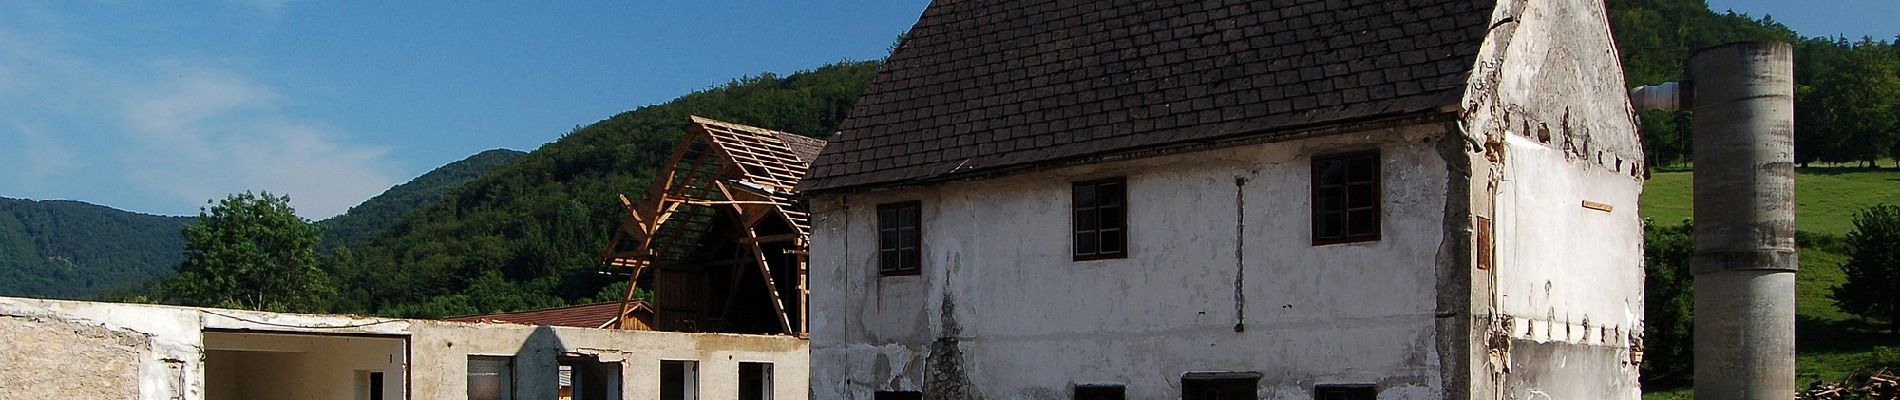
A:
[1030,323]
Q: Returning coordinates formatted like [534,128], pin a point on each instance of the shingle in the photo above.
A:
[988,84]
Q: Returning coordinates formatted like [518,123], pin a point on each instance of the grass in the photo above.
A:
[1830,343]
[1826,198]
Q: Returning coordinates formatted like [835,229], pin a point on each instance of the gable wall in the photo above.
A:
[1562,308]
[1001,311]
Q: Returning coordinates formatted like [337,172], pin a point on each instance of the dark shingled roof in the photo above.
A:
[981,85]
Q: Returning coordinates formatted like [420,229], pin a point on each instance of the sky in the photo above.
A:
[1879,19]
[159,107]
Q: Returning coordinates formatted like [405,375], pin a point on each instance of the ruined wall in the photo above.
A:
[46,358]
[1558,172]
[1002,312]
[164,347]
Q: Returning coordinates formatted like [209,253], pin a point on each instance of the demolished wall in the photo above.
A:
[134,351]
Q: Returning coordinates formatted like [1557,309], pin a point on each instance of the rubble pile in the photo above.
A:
[1863,384]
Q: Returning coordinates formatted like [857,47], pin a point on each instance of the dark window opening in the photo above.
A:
[755,381]
[376,385]
[679,380]
[1345,392]
[1101,219]
[1220,386]
[1346,198]
[898,395]
[587,378]
[1100,392]
[900,238]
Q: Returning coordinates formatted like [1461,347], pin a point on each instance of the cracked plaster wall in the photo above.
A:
[1560,315]
[1002,312]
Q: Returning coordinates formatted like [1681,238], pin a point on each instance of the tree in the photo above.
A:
[1872,289]
[1668,300]
[250,251]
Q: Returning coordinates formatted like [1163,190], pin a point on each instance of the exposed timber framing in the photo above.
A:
[721,176]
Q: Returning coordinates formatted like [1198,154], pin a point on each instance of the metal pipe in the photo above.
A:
[1745,259]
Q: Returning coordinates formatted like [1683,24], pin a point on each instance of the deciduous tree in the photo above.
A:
[250,251]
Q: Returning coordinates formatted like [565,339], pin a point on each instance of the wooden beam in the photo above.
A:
[765,269]
[788,237]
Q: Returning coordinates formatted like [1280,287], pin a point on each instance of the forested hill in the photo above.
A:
[363,221]
[71,249]
[1847,90]
[527,234]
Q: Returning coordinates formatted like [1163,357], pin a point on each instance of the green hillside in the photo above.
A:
[70,249]
[527,234]
[1825,198]
[360,223]
[1831,343]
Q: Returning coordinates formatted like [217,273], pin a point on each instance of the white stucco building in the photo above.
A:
[1426,199]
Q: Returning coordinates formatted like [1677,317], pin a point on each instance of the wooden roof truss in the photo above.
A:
[750,173]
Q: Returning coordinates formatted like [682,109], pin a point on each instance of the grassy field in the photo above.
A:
[1830,343]
[1825,198]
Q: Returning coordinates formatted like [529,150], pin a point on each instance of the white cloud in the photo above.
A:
[164,135]
[207,133]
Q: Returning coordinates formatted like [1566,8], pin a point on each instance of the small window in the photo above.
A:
[1345,392]
[897,395]
[755,381]
[679,380]
[1346,198]
[1220,386]
[490,378]
[1100,392]
[1101,219]
[899,238]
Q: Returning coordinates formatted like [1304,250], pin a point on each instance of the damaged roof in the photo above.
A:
[986,85]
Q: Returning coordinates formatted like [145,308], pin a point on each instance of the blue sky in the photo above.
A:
[1879,19]
[159,106]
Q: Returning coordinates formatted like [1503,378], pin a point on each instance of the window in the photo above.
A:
[1345,392]
[899,234]
[587,378]
[679,380]
[490,378]
[755,381]
[1346,198]
[1101,219]
[899,395]
[1220,386]
[1099,392]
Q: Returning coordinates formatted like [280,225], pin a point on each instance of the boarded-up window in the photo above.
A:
[1346,198]
[679,380]
[1345,392]
[490,378]
[1099,392]
[899,238]
[1101,219]
[755,381]
[897,395]
[1220,386]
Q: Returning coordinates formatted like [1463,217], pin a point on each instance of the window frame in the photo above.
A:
[1120,210]
[1334,391]
[509,385]
[1118,392]
[915,259]
[1218,381]
[1345,201]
